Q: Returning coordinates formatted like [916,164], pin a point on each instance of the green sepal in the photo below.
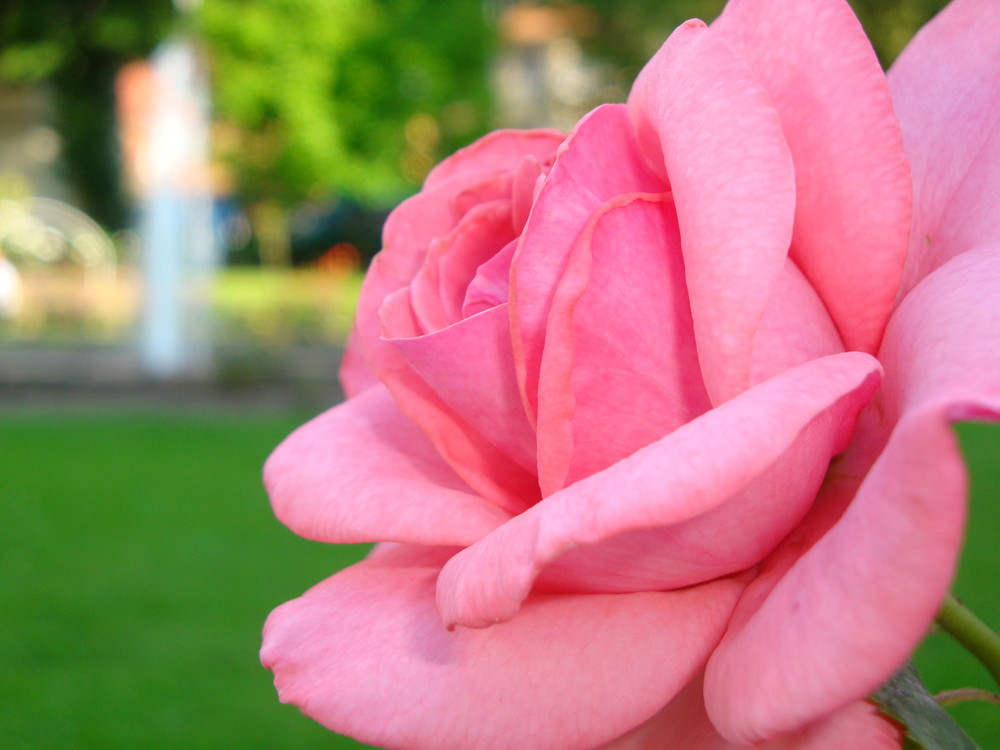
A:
[927,725]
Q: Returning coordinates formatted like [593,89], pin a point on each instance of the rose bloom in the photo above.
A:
[653,419]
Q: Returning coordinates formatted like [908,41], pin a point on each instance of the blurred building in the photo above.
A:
[541,76]
[63,262]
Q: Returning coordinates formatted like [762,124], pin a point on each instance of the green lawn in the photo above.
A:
[941,662]
[139,558]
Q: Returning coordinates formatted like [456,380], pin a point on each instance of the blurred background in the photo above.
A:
[190,192]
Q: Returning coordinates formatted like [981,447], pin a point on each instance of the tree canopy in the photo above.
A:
[321,98]
[77,47]
[349,96]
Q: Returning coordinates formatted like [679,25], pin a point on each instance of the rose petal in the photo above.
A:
[852,608]
[491,285]
[484,462]
[684,725]
[945,343]
[523,186]
[365,653]
[733,536]
[407,234]
[946,93]
[363,472]
[484,466]
[701,113]
[406,237]
[619,347]
[480,173]
[398,318]
[795,327]
[497,151]
[852,182]
[599,160]
[470,367]
[355,374]
[689,472]
[439,287]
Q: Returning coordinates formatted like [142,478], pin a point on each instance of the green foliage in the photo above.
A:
[316,97]
[323,97]
[79,46]
[890,24]
[941,661]
[39,38]
[645,24]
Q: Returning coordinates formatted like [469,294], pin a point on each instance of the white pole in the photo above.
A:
[176,222]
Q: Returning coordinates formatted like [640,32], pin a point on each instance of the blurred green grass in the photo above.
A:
[139,558]
[284,305]
[941,662]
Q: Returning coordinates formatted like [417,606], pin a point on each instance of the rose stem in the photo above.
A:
[972,633]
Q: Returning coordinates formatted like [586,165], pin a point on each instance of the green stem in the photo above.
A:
[972,633]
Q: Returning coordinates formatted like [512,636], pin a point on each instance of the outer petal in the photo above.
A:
[365,653]
[363,472]
[619,348]
[946,91]
[495,152]
[702,114]
[850,610]
[853,193]
[692,471]
[684,725]
[598,161]
[355,374]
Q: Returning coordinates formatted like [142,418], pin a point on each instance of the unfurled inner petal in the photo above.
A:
[470,367]
[852,181]
[795,327]
[438,290]
[620,368]
[703,118]
[598,161]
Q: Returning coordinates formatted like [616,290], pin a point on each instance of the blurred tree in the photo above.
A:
[78,46]
[316,98]
[628,33]
[892,23]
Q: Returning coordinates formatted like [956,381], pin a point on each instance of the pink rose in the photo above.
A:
[597,382]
